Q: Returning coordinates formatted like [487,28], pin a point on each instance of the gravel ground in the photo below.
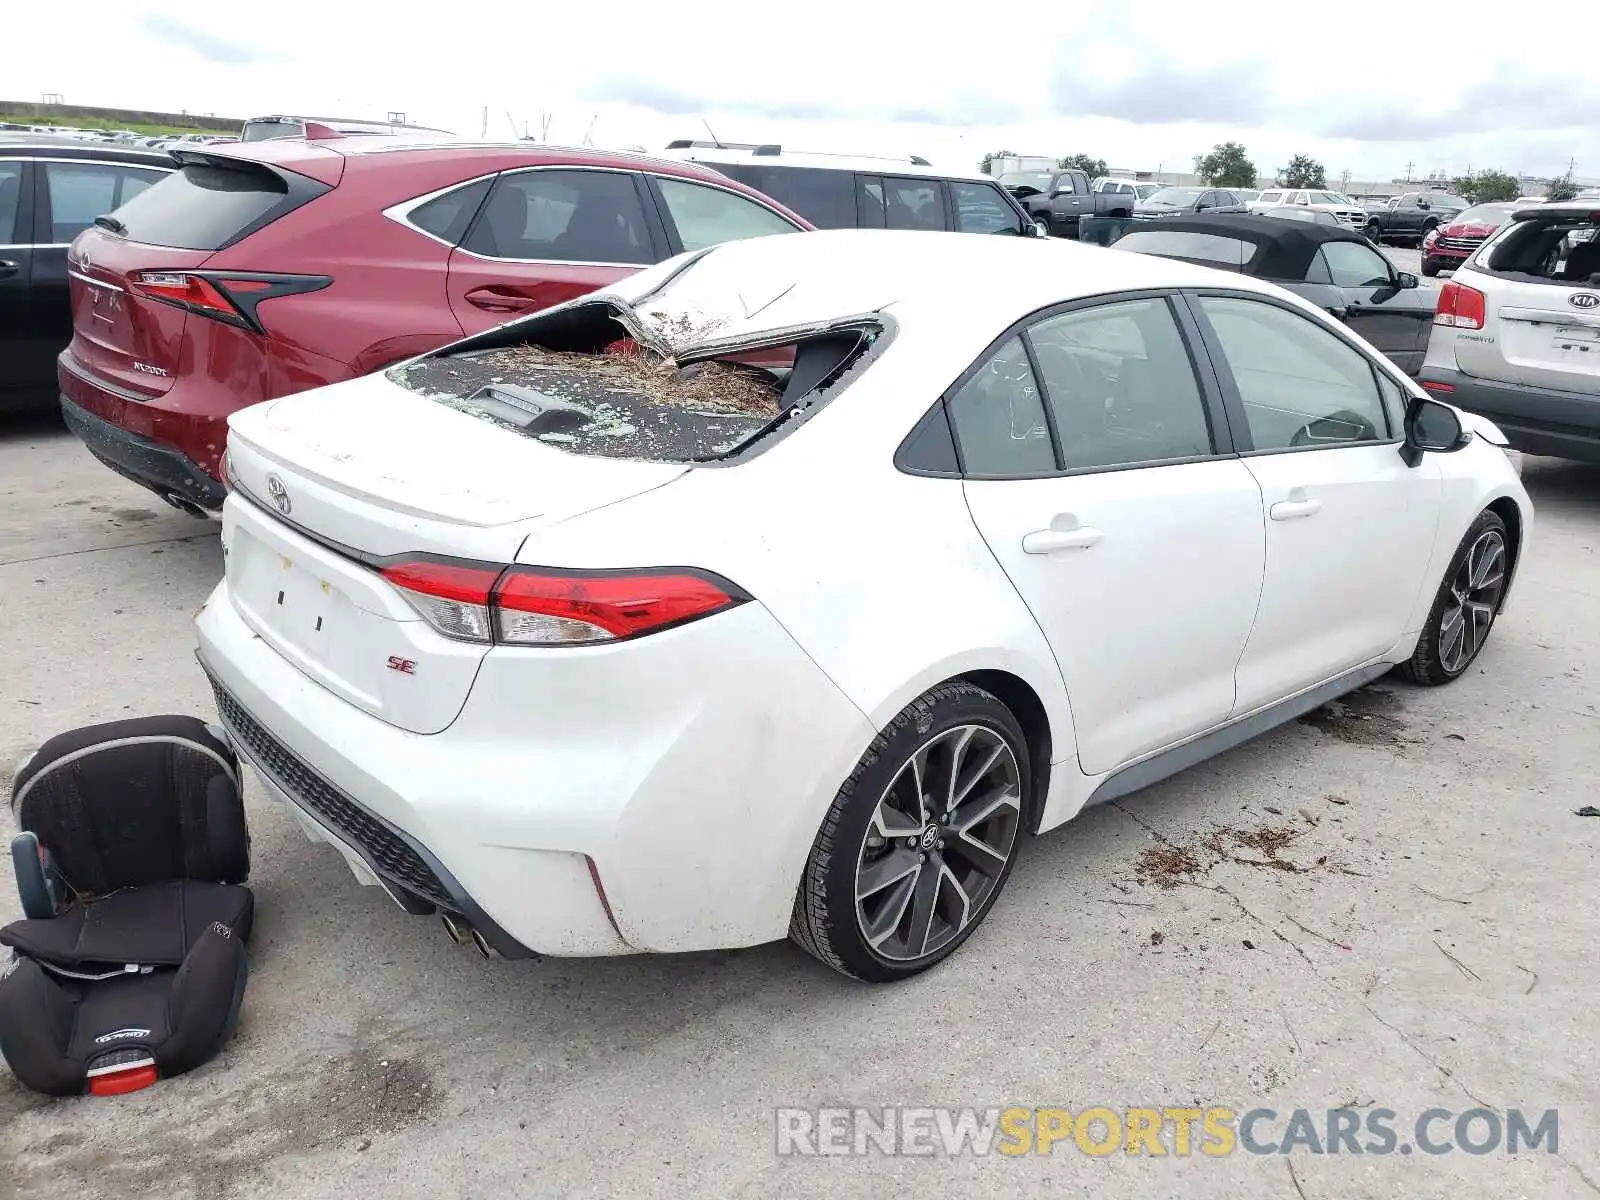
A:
[1397,912]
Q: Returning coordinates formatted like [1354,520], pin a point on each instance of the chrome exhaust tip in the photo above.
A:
[483,946]
[457,930]
[185,505]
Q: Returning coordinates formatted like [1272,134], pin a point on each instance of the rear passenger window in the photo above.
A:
[1301,385]
[447,216]
[1121,386]
[981,209]
[913,204]
[10,202]
[707,216]
[825,198]
[999,420]
[563,216]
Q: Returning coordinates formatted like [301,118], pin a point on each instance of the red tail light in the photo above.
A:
[535,606]
[193,292]
[228,296]
[453,597]
[1459,306]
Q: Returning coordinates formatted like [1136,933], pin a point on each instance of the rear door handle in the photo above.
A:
[1047,541]
[494,299]
[8,268]
[1296,507]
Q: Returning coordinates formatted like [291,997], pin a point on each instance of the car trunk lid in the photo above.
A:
[336,482]
[119,334]
[1536,334]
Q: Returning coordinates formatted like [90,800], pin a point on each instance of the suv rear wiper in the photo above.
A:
[111,223]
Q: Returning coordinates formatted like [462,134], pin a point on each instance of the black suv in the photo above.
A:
[839,192]
[50,192]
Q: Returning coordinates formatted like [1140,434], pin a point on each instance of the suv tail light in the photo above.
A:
[227,296]
[538,606]
[1459,306]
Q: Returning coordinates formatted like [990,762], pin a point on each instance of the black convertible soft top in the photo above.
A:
[1284,249]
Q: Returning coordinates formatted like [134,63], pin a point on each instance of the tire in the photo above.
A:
[1374,233]
[921,893]
[1426,230]
[1439,658]
[1430,267]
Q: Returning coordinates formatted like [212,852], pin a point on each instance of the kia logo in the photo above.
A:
[278,494]
[1584,300]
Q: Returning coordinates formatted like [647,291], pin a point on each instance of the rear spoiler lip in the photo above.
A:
[238,162]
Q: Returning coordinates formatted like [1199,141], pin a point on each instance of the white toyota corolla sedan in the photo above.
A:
[784,587]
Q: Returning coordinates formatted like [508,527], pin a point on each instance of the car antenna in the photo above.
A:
[715,140]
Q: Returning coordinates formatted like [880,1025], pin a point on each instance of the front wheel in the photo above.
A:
[1374,232]
[1465,609]
[919,840]
[1430,267]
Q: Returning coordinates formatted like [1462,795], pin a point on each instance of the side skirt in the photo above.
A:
[1208,745]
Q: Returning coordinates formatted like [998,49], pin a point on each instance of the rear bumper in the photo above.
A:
[161,442]
[162,469]
[1535,420]
[694,785]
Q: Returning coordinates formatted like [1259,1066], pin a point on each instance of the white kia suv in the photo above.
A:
[785,587]
[1517,332]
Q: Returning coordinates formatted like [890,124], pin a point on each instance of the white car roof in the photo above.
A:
[971,285]
[867,164]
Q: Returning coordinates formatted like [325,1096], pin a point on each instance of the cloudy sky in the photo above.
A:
[1143,86]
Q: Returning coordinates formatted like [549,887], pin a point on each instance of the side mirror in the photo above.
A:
[1432,427]
[1060,192]
[1407,281]
[1424,205]
[1038,229]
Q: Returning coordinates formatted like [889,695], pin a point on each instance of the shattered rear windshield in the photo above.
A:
[582,382]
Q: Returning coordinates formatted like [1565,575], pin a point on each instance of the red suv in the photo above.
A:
[262,269]
[1447,246]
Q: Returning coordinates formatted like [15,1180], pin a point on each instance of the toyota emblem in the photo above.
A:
[278,494]
[1584,300]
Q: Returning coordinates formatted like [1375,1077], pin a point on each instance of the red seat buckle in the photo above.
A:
[122,1080]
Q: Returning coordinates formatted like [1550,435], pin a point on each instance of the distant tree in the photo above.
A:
[1092,167]
[1561,189]
[1226,166]
[1487,186]
[988,160]
[1303,171]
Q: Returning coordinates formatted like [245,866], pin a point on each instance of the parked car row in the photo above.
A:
[258,269]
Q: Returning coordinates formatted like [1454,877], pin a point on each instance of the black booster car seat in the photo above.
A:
[130,963]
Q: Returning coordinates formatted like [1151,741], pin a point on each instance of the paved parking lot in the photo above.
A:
[1389,904]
